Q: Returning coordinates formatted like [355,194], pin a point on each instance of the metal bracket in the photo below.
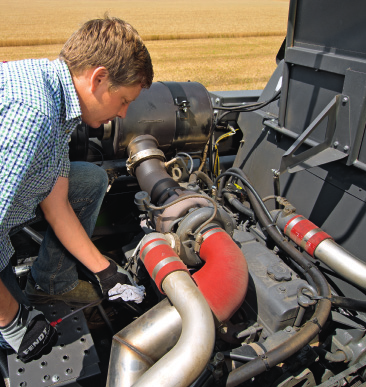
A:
[180,99]
[182,103]
[322,153]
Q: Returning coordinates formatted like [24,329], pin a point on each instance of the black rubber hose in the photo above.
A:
[348,303]
[201,176]
[238,357]
[238,205]
[311,327]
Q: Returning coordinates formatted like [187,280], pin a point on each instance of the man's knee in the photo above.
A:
[87,180]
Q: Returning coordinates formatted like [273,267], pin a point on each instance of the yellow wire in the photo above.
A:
[217,159]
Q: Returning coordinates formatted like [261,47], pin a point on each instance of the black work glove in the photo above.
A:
[110,277]
[30,334]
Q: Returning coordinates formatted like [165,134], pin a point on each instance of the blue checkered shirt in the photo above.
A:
[39,109]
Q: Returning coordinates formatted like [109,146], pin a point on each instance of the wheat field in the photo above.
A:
[225,45]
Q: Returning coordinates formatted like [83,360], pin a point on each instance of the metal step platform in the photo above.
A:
[72,360]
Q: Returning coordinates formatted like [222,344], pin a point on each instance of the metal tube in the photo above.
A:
[142,343]
[321,246]
[186,361]
[35,235]
[342,262]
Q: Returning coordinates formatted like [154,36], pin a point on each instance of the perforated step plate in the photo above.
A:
[72,359]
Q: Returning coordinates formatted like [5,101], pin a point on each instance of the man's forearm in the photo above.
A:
[8,306]
[68,229]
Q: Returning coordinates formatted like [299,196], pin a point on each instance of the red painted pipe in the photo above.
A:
[223,279]
[159,258]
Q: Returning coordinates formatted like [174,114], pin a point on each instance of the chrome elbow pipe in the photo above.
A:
[186,361]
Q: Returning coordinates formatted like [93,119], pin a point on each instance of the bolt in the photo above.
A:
[282,289]
[55,378]
[335,144]
[276,172]
[344,100]
[217,101]
[219,357]
[346,148]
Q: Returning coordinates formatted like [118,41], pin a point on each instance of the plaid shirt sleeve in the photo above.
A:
[65,166]
[18,142]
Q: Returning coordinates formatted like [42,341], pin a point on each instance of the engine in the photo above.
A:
[241,214]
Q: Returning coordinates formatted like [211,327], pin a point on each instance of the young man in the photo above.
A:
[101,69]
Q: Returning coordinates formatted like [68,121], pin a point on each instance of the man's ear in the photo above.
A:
[98,76]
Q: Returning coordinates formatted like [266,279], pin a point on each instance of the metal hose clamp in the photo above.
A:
[139,157]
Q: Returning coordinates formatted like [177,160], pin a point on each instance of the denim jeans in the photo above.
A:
[55,268]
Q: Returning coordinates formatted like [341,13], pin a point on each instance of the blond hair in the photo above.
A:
[113,44]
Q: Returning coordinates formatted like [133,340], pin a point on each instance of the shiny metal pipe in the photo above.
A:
[342,262]
[35,235]
[186,361]
[142,343]
[322,246]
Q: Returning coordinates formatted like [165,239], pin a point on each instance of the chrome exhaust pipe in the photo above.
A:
[142,343]
[185,362]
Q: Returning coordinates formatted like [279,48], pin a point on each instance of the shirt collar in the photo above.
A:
[71,98]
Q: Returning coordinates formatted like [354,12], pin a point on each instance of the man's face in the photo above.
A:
[104,104]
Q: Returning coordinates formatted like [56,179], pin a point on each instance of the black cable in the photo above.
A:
[245,108]
[250,107]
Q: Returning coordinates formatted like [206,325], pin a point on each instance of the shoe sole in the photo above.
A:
[47,299]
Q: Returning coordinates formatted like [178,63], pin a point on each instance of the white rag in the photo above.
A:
[127,293]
